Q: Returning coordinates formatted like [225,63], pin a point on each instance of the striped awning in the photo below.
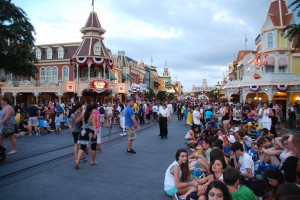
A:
[282,62]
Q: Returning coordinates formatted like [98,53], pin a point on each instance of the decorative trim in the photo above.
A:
[80,60]
[254,88]
[282,88]
[98,61]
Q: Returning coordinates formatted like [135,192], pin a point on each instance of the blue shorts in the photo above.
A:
[171,192]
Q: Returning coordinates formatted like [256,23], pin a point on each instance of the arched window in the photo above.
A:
[61,52]
[97,49]
[54,75]
[49,74]
[42,75]
[65,73]
[270,40]
[49,53]
[38,54]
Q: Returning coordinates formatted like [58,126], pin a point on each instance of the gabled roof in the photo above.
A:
[279,14]
[242,54]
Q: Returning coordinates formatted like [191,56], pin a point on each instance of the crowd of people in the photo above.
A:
[234,151]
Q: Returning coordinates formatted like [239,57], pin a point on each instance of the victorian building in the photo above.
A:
[272,70]
[85,70]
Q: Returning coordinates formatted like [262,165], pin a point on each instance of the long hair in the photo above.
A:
[221,186]
[87,113]
[221,159]
[274,173]
[184,166]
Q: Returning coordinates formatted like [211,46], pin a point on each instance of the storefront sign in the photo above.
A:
[256,76]
[121,88]
[70,87]
[99,85]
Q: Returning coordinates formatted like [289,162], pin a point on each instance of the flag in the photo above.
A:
[92,2]
[245,38]
[151,60]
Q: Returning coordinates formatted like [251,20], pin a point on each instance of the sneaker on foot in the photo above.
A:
[121,134]
[131,151]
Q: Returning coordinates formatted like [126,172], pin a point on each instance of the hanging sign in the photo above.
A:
[70,87]
[256,76]
[99,85]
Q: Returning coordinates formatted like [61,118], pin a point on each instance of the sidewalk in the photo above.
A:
[118,175]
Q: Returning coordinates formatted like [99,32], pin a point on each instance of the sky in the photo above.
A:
[195,39]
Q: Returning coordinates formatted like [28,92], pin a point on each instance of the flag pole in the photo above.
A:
[245,41]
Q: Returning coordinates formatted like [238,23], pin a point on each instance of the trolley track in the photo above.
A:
[114,137]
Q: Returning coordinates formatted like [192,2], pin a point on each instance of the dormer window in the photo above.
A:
[49,53]
[61,52]
[38,54]
[270,41]
[97,49]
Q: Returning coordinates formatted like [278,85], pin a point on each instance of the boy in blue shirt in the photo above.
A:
[129,124]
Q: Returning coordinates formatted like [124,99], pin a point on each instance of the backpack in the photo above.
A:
[101,110]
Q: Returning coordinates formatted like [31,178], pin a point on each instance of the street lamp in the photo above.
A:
[218,86]
[111,88]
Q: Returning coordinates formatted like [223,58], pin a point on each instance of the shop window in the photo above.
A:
[269,69]
[65,73]
[282,69]
[270,40]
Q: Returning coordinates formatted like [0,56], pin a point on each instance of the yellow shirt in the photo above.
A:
[18,118]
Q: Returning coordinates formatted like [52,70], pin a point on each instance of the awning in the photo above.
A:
[282,62]
[271,61]
[111,75]
[156,83]
[125,75]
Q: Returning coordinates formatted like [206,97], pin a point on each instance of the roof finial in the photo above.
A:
[93,5]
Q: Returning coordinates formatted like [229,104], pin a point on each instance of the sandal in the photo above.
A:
[76,164]
[94,163]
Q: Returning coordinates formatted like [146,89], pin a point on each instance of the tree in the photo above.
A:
[292,31]
[150,95]
[171,96]
[162,95]
[16,41]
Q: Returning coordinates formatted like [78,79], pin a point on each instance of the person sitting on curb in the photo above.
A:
[231,178]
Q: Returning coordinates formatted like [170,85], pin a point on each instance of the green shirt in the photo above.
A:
[243,193]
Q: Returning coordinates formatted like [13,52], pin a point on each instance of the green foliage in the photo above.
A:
[292,31]
[212,94]
[150,95]
[16,41]
[162,95]
[171,96]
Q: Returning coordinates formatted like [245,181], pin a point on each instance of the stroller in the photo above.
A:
[2,153]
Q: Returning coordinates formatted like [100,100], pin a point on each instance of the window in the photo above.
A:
[270,40]
[38,54]
[43,75]
[282,68]
[97,49]
[65,73]
[269,69]
[61,52]
[49,53]
[54,75]
[49,75]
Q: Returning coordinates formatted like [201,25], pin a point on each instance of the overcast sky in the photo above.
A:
[196,39]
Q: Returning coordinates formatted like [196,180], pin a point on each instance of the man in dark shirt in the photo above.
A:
[33,112]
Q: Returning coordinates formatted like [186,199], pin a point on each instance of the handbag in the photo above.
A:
[8,129]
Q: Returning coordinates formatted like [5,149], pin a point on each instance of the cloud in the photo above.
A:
[197,38]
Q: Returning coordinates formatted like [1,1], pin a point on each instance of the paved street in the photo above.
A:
[44,168]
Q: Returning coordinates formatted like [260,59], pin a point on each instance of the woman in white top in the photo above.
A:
[285,141]
[122,119]
[265,113]
[177,175]
[190,137]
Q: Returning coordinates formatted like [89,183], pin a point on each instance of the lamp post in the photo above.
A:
[218,86]
[111,88]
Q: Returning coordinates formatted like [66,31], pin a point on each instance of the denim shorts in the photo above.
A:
[171,192]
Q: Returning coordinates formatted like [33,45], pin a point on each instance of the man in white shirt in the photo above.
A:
[246,164]
[197,117]
[170,109]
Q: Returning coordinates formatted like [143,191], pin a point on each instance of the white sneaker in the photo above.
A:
[124,133]
[121,134]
